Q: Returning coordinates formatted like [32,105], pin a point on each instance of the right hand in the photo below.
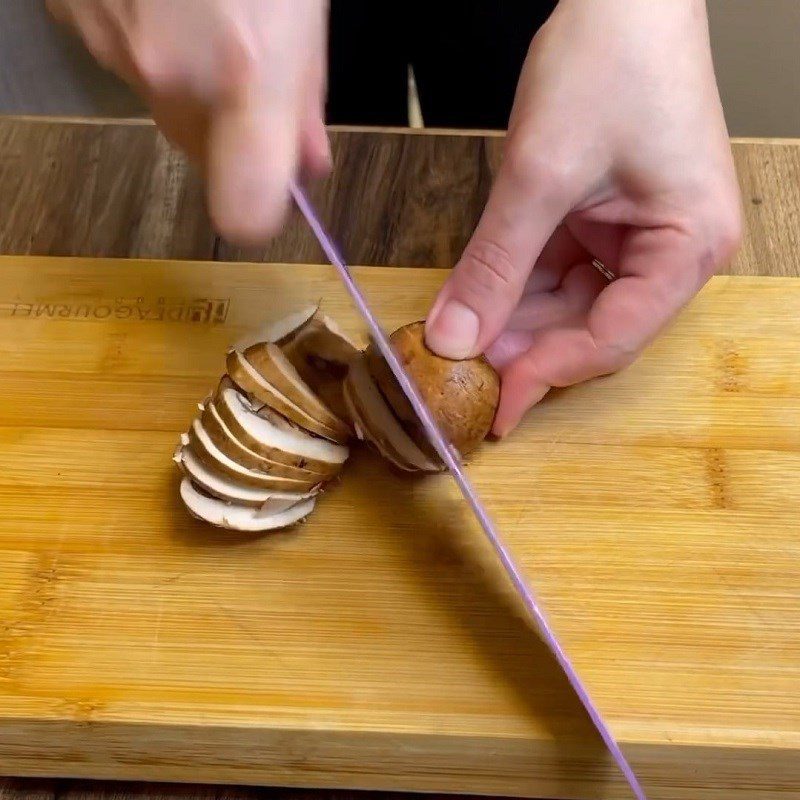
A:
[617,150]
[237,84]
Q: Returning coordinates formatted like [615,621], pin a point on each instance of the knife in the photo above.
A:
[451,459]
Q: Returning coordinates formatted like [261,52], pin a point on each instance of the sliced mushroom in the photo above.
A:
[395,398]
[226,441]
[379,442]
[224,488]
[202,446]
[250,381]
[322,355]
[276,441]
[273,366]
[379,421]
[241,518]
[275,330]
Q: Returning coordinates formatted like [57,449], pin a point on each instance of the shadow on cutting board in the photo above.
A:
[457,568]
[419,525]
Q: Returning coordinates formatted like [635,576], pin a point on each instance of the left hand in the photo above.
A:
[617,150]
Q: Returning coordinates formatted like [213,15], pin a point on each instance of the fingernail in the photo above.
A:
[453,332]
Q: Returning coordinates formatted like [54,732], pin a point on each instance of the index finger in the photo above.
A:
[251,159]
[657,280]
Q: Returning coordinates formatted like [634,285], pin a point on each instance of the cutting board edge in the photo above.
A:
[327,759]
[387,268]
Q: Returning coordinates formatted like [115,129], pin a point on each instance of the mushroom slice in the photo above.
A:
[322,354]
[274,438]
[276,330]
[238,517]
[226,442]
[202,446]
[250,381]
[378,442]
[224,488]
[273,366]
[379,422]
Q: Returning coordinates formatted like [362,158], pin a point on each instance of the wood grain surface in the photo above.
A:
[394,198]
[376,646]
[26,789]
[98,190]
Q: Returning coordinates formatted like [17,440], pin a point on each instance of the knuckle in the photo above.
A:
[240,64]
[723,231]
[612,355]
[616,354]
[610,349]
[530,165]
[487,268]
[163,68]
[525,163]
[730,230]
[149,63]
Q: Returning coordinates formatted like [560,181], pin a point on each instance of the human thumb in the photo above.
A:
[486,284]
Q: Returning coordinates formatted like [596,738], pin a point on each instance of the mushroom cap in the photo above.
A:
[462,395]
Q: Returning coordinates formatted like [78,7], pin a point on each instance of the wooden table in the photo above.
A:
[395,198]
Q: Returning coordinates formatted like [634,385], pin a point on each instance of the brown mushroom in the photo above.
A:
[462,395]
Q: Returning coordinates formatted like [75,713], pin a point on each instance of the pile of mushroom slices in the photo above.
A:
[276,430]
[268,440]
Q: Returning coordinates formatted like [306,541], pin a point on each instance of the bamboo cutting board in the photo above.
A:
[377,646]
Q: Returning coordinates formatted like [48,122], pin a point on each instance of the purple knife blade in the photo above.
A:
[451,459]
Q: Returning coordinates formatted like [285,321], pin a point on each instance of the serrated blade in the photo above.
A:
[451,459]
